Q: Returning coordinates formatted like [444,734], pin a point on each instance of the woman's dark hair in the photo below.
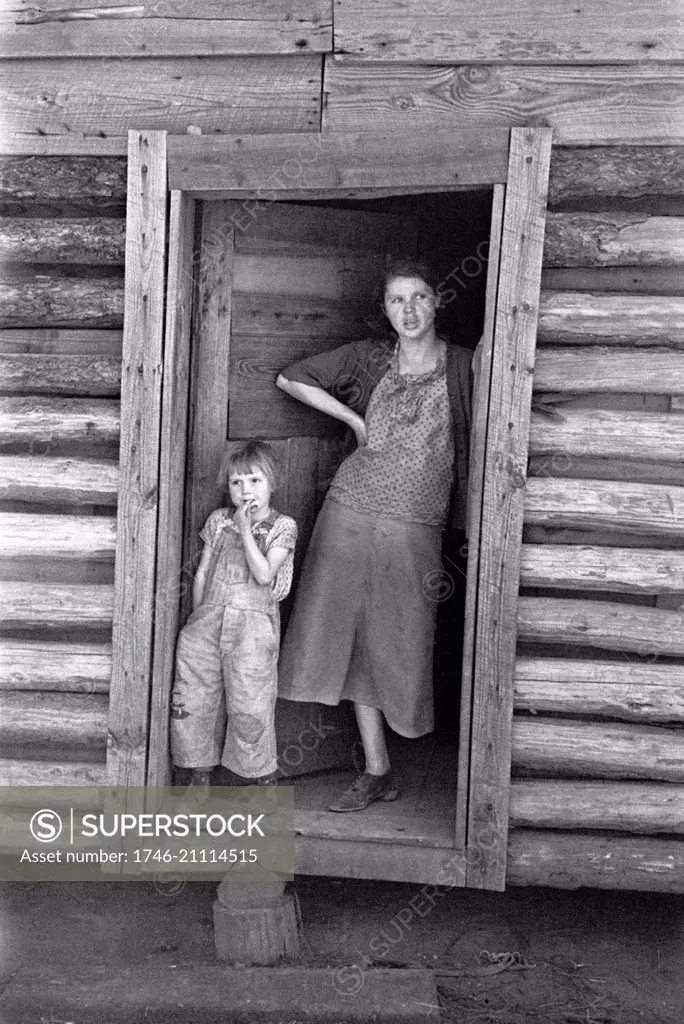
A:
[409,267]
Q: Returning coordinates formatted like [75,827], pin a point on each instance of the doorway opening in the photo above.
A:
[302,278]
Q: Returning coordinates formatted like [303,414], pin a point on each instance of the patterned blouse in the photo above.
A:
[275,531]
[405,470]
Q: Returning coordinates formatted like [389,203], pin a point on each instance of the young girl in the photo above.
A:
[230,643]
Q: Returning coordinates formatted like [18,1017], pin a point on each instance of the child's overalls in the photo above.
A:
[229,645]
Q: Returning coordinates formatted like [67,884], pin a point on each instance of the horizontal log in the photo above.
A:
[63,178]
[620,570]
[635,280]
[33,478]
[584,318]
[27,772]
[37,605]
[631,691]
[57,537]
[35,569]
[635,470]
[653,509]
[607,434]
[621,806]
[627,171]
[339,165]
[55,665]
[582,104]
[61,374]
[51,297]
[59,240]
[624,702]
[482,32]
[44,721]
[603,370]
[169,35]
[603,624]
[567,861]
[612,240]
[50,341]
[44,422]
[89,96]
[549,746]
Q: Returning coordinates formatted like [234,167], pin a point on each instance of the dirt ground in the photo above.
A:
[586,957]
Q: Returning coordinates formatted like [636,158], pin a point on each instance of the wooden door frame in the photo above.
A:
[285,167]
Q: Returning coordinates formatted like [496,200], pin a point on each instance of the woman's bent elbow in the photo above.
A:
[282,382]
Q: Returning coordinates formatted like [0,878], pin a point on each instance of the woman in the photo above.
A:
[363,624]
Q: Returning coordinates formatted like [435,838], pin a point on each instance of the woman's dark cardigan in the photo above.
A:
[352,372]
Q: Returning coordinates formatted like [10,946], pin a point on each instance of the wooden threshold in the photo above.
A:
[422,816]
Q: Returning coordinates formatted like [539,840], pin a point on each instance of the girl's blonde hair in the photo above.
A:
[259,454]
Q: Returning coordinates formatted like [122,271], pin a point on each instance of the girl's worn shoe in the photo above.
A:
[364,791]
[265,780]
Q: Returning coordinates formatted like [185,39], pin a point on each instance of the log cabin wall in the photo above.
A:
[60,348]
[609,80]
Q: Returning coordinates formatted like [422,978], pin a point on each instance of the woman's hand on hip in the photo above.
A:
[358,425]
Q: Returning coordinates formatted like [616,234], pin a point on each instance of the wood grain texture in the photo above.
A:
[607,434]
[476,32]
[39,605]
[42,423]
[604,370]
[61,374]
[282,166]
[629,691]
[623,807]
[51,341]
[59,240]
[650,509]
[174,29]
[582,318]
[57,537]
[502,503]
[174,427]
[210,381]
[634,470]
[50,481]
[300,231]
[567,861]
[612,171]
[91,97]
[613,240]
[618,570]
[137,512]
[260,315]
[635,280]
[44,721]
[595,105]
[63,179]
[601,624]
[26,772]
[55,665]
[49,296]
[549,746]
[482,384]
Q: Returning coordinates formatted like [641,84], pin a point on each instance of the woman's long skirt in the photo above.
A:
[363,624]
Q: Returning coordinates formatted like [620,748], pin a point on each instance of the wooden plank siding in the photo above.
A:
[502,505]
[89,97]
[174,426]
[168,28]
[480,33]
[584,105]
[137,513]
